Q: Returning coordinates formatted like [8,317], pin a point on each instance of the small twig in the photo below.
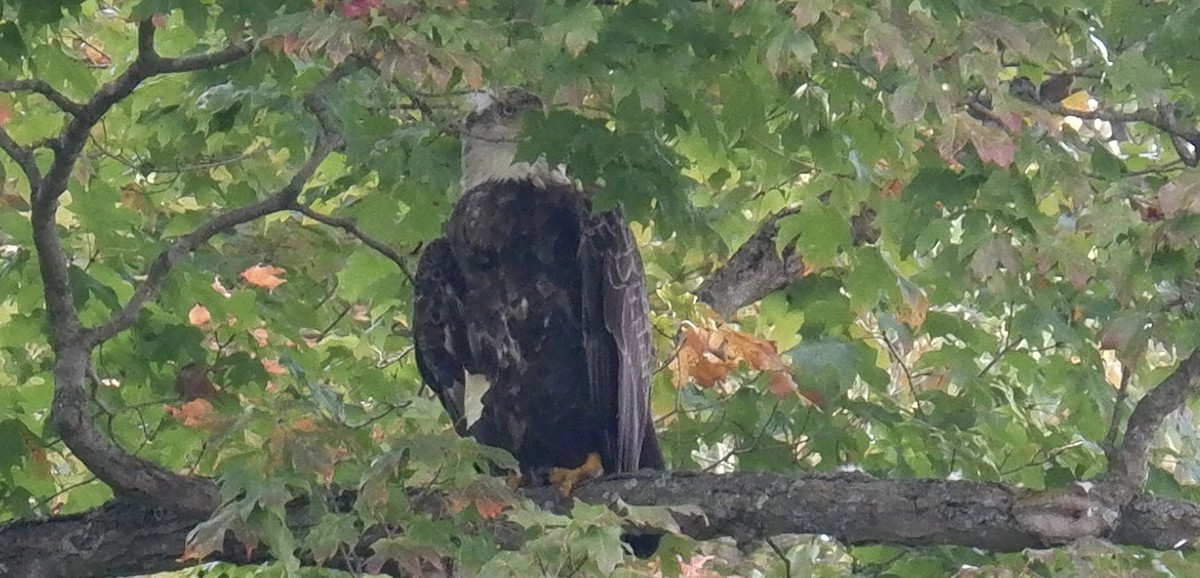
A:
[328,139]
[1114,424]
[349,226]
[787,564]
[1174,165]
[908,376]
[340,316]
[1006,347]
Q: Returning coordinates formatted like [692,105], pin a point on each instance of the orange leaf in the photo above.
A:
[5,114]
[305,424]
[196,414]
[264,276]
[159,20]
[199,316]
[759,354]
[782,384]
[260,336]
[96,57]
[489,509]
[272,366]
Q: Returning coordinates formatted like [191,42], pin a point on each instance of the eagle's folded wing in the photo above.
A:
[439,332]
[616,319]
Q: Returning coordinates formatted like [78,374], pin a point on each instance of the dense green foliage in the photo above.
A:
[1033,275]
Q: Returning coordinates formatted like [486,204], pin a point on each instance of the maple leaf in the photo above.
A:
[1080,101]
[489,509]
[199,316]
[782,385]
[264,276]
[209,536]
[272,365]
[694,567]
[305,424]
[260,336]
[355,9]
[805,14]
[994,146]
[195,414]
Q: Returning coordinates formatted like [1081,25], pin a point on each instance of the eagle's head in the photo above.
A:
[491,134]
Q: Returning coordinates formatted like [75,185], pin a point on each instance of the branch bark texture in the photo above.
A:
[126,537]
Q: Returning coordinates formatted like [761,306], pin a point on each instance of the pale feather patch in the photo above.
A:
[476,385]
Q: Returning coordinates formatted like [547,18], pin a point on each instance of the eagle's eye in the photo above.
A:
[508,110]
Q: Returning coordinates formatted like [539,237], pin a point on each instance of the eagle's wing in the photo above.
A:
[616,320]
[439,331]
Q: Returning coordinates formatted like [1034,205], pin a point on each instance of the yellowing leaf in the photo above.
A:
[1080,101]
[264,276]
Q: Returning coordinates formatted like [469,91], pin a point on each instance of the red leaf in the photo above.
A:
[994,146]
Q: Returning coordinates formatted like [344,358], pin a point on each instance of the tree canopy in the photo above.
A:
[923,279]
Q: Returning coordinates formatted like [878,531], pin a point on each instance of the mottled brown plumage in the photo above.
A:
[545,303]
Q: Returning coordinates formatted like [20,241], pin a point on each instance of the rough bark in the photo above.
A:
[759,268]
[126,537]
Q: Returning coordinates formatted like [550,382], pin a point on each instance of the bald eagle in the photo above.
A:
[530,316]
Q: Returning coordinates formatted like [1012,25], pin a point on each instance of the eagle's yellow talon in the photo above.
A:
[567,478]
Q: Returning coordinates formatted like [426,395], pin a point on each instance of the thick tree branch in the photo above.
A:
[349,226]
[756,269]
[759,268]
[128,475]
[1128,465]
[130,538]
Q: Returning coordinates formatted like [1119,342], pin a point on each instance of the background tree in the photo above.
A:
[951,245]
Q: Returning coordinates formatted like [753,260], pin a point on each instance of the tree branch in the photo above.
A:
[853,508]
[128,475]
[1128,465]
[759,268]
[39,86]
[23,156]
[349,226]
[147,64]
[327,141]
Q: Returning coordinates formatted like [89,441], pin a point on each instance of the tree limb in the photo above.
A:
[759,268]
[349,226]
[39,86]
[327,141]
[1128,465]
[126,474]
[129,538]
[23,156]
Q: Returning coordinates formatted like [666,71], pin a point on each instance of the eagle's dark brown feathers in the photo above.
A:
[547,303]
